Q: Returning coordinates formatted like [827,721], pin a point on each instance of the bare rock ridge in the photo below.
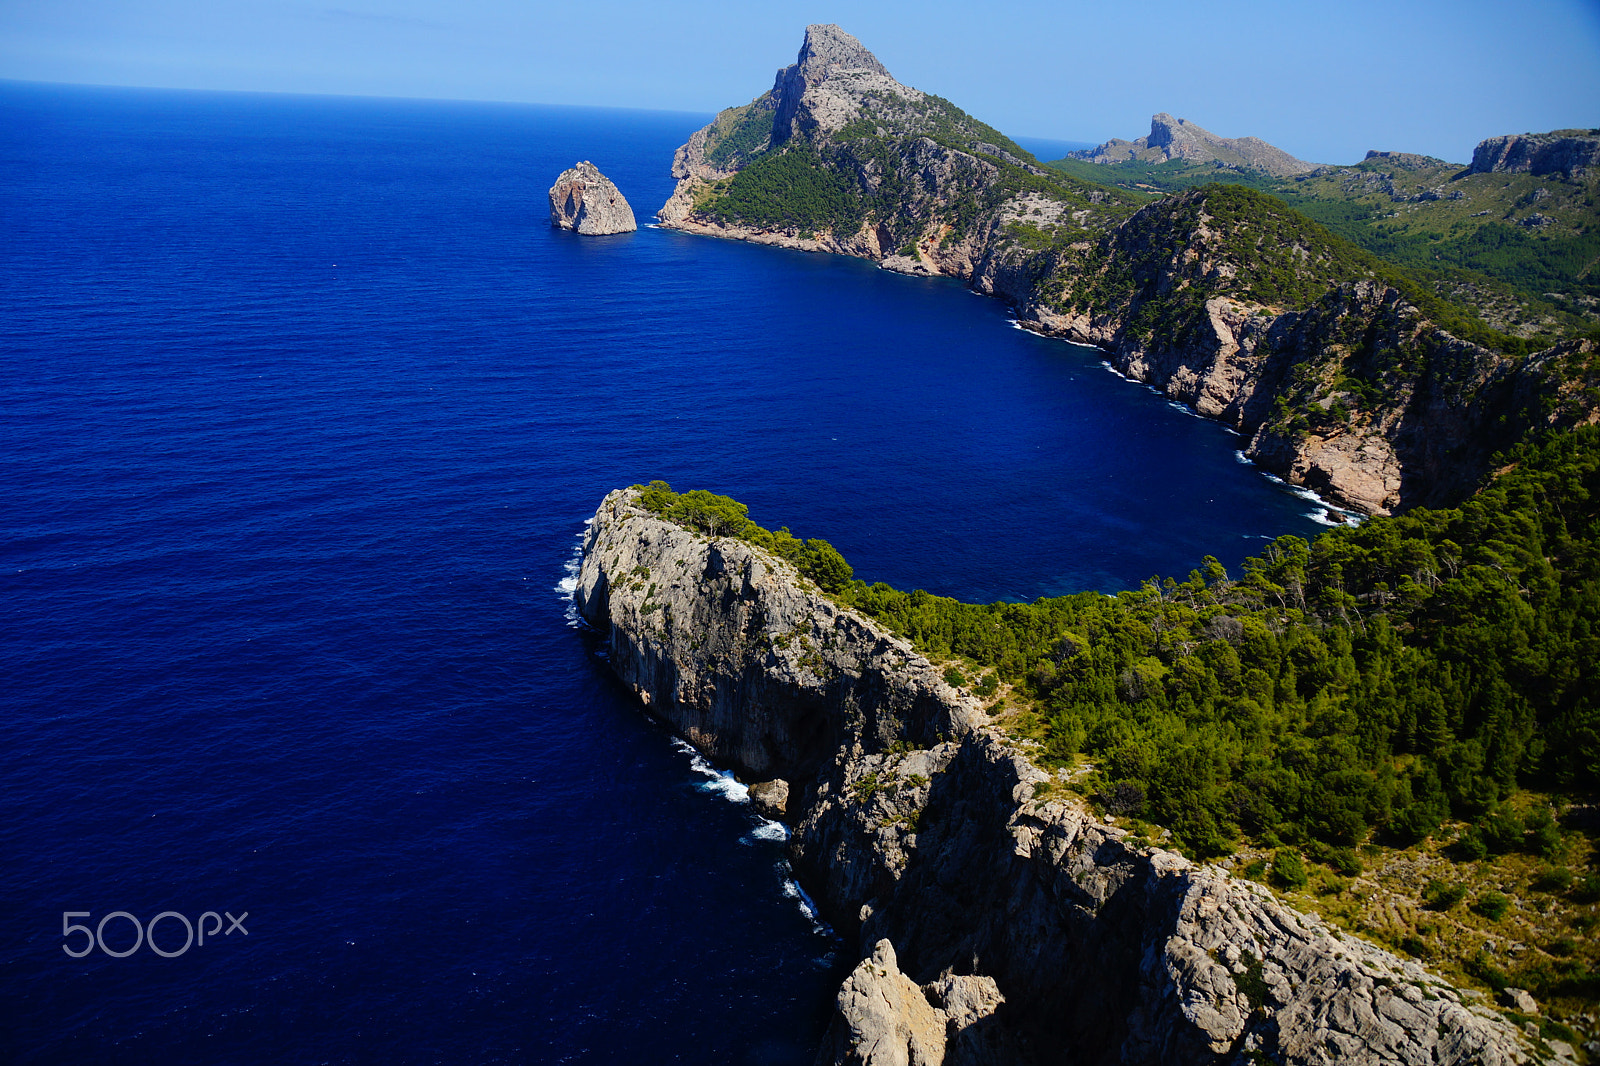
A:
[1220,297]
[1569,152]
[826,52]
[1177,138]
[588,202]
[994,927]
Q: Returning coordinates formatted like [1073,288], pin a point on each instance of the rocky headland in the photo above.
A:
[586,201]
[998,921]
[1341,374]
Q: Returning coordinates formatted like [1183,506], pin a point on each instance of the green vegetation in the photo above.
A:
[1255,249]
[739,133]
[1384,678]
[1529,242]
[721,516]
[1517,251]
[792,189]
[1381,680]
[1173,175]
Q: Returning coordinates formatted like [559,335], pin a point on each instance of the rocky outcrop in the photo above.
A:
[586,201]
[1568,152]
[1000,921]
[1178,138]
[885,1019]
[1405,160]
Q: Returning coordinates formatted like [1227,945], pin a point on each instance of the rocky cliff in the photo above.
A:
[585,200]
[1334,369]
[1178,138]
[1566,152]
[999,923]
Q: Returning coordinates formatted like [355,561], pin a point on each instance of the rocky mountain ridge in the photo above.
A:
[1177,138]
[1325,360]
[999,922]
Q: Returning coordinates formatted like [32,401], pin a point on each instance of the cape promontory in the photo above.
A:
[999,920]
[586,201]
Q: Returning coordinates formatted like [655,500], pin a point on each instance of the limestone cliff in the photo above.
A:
[1178,138]
[996,927]
[1566,152]
[585,200]
[1221,297]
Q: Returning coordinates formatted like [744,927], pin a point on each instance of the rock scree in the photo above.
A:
[586,201]
[999,921]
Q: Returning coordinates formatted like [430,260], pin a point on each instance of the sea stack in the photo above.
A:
[585,200]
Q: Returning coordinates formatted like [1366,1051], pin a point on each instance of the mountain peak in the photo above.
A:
[831,73]
[828,48]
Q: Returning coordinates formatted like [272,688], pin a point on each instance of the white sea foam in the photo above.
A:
[720,782]
[808,906]
[775,831]
[1242,457]
[1185,408]
[567,587]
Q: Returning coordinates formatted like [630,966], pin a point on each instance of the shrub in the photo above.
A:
[1588,889]
[1442,895]
[1501,831]
[1492,905]
[1554,879]
[1469,846]
[954,677]
[1345,861]
[1288,869]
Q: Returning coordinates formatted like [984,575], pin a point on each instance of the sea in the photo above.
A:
[305,756]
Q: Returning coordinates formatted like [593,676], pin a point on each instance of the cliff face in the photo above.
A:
[997,927]
[1177,138]
[1222,298]
[585,200]
[1569,152]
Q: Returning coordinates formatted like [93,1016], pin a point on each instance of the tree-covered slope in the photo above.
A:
[1431,675]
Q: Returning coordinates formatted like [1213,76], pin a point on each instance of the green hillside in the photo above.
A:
[1522,250]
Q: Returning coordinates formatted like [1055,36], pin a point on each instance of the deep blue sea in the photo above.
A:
[305,407]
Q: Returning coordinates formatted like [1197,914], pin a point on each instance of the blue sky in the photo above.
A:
[1325,81]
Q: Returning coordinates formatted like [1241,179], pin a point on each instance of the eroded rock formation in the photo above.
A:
[586,201]
[999,923]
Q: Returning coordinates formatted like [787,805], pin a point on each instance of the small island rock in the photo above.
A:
[585,200]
